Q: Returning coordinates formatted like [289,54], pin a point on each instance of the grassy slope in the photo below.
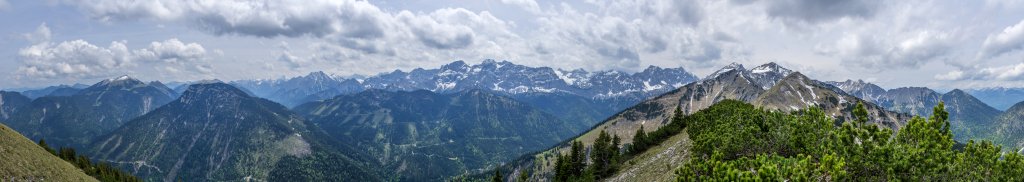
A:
[657,163]
[21,159]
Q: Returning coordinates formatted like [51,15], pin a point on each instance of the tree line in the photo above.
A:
[736,141]
[102,171]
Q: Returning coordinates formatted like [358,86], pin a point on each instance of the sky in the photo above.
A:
[940,44]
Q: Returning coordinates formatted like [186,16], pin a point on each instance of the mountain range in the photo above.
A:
[216,132]
[998,97]
[600,93]
[433,124]
[969,116]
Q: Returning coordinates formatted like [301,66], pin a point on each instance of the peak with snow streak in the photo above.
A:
[212,91]
[764,76]
[731,67]
[797,91]
[121,82]
[768,74]
[861,89]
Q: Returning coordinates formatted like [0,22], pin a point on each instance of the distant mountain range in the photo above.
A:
[608,91]
[998,97]
[969,116]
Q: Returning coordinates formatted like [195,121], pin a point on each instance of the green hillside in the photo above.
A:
[23,160]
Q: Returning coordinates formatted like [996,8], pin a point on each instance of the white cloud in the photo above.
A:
[877,53]
[4,5]
[1009,40]
[1013,72]
[42,34]
[952,75]
[80,59]
[528,5]
[353,24]
[172,51]
[76,58]
[817,11]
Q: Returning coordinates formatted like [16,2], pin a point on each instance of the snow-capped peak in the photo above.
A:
[121,78]
[771,67]
[319,75]
[727,68]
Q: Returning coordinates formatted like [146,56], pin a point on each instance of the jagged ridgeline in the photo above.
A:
[216,132]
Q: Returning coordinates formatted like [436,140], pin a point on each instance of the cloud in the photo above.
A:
[817,11]
[528,5]
[172,51]
[42,34]
[441,29]
[76,58]
[353,24]
[4,5]
[255,18]
[1009,40]
[685,11]
[81,59]
[1013,72]
[877,54]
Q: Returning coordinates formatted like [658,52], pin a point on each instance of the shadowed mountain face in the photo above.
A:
[422,135]
[1009,128]
[10,103]
[76,119]
[999,98]
[216,132]
[59,90]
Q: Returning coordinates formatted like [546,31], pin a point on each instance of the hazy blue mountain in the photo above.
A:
[74,120]
[998,97]
[59,90]
[294,91]
[216,132]
[10,103]
[422,135]
[969,116]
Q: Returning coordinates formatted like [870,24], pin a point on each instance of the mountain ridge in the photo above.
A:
[239,138]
